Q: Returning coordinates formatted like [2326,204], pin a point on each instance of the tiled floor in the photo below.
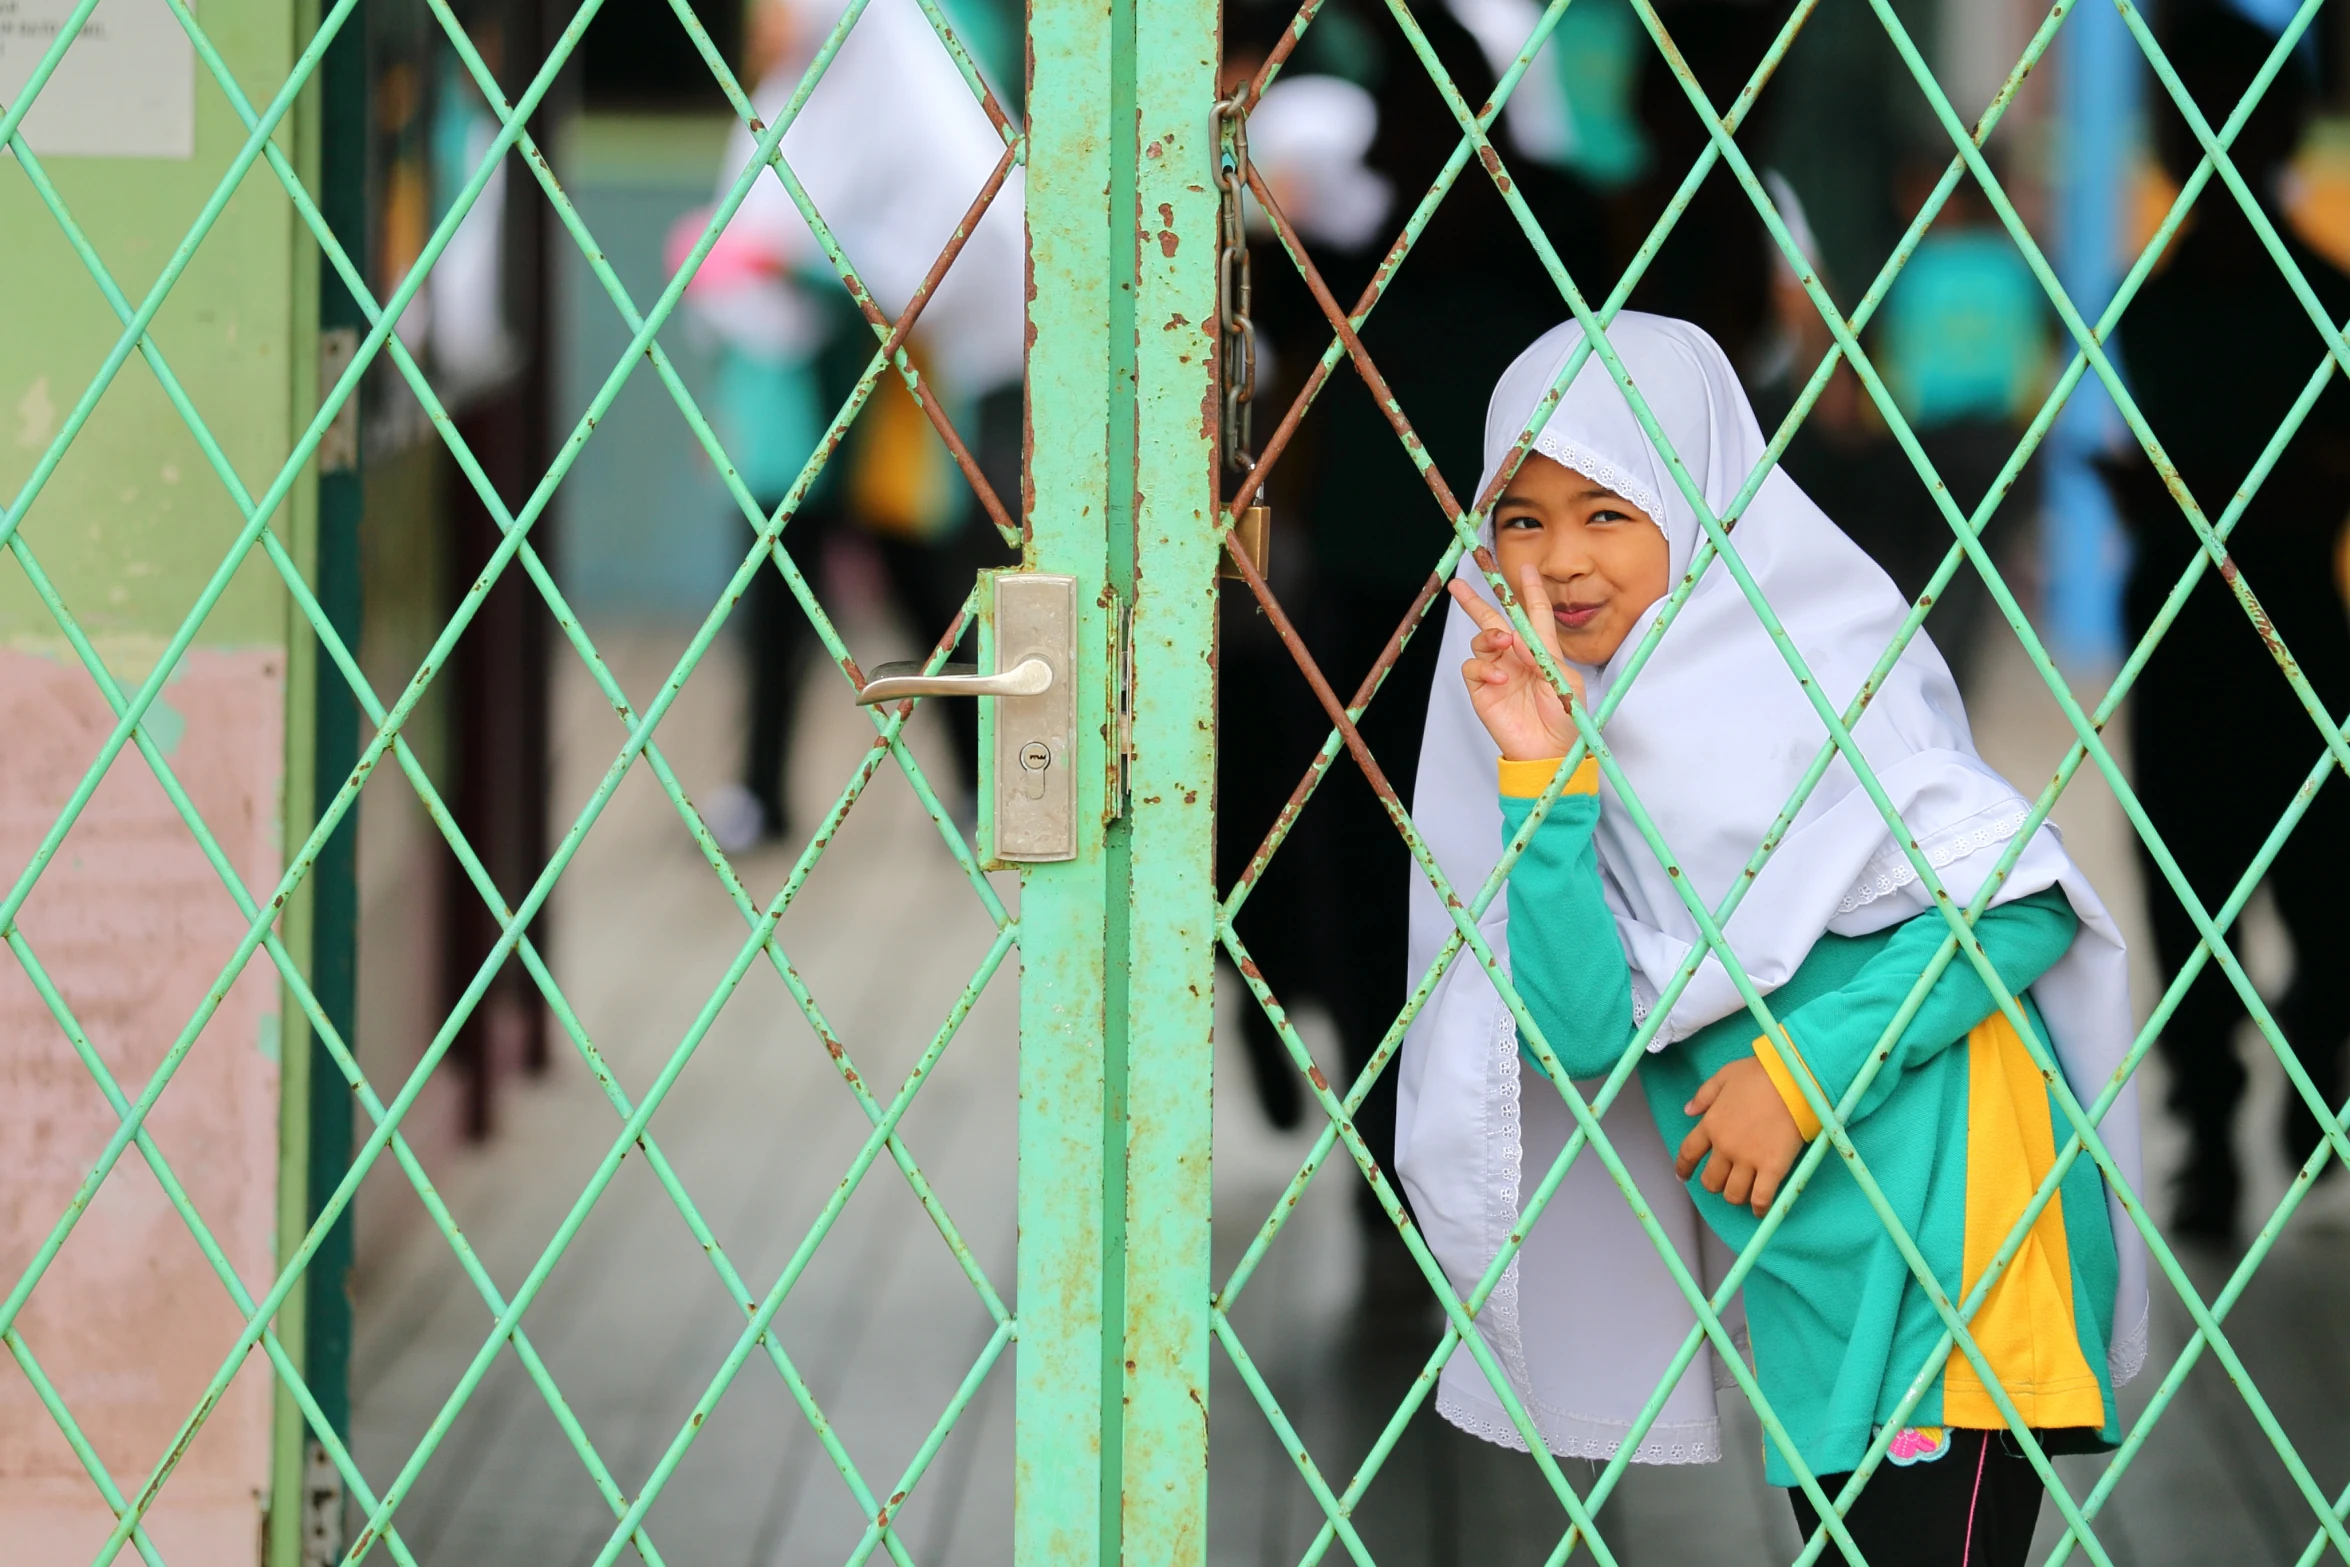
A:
[633,1324]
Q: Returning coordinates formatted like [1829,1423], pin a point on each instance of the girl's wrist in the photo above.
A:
[1546,747]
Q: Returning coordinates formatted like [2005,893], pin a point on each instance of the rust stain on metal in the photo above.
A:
[1373,774]
[1355,351]
[1321,372]
[995,111]
[1280,53]
[1492,161]
[1372,680]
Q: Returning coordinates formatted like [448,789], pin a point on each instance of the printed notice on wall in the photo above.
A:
[126,87]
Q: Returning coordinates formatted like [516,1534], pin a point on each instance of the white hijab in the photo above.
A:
[1713,735]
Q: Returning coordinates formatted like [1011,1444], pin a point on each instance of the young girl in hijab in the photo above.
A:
[1958,1128]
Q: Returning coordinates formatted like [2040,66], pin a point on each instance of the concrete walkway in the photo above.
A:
[633,1322]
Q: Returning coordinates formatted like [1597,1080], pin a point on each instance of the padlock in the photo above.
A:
[1252,534]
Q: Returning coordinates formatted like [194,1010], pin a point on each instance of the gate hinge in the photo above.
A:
[322,1507]
[338,448]
[1121,707]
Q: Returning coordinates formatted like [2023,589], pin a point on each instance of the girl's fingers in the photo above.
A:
[1766,1192]
[1531,593]
[1739,1186]
[1488,667]
[1478,673]
[1717,1173]
[1484,614]
[1694,1148]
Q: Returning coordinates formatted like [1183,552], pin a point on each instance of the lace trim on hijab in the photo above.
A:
[1892,871]
[1695,1442]
[2127,1358]
[1585,461]
[1501,1307]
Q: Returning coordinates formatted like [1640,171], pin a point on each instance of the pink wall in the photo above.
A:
[133,925]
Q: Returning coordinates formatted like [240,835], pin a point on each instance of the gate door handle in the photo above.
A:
[892,682]
[1028,624]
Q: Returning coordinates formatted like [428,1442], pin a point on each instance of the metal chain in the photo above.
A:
[1238,345]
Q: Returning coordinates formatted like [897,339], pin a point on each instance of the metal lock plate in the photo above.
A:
[1034,741]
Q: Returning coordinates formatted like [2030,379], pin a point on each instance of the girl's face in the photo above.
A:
[1602,559]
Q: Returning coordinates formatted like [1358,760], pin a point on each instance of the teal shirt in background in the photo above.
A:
[1597,51]
[1963,333]
[1839,1325]
[768,419]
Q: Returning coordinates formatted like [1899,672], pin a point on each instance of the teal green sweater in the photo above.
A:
[1838,1323]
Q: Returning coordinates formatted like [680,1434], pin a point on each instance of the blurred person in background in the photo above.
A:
[1717,268]
[1961,337]
[1595,55]
[2217,349]
[1720,267]
[891,148]
[1962,341]
[1308,139]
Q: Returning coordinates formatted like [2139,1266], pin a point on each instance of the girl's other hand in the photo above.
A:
[1744,1124]
[1517,705]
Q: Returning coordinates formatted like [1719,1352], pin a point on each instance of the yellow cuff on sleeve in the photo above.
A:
[1527,780]
[1784,1081]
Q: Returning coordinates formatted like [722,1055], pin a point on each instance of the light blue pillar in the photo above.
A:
[2098,76]
[2271,14]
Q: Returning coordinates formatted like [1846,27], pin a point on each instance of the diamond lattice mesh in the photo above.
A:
[878,1496]
[890,373]
[1339,1495]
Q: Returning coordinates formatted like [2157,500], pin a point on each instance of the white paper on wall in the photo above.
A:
[126,87]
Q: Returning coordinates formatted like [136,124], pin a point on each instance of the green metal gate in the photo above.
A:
[1114,1315]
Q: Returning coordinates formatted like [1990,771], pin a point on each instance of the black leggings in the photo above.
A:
[1972,1507]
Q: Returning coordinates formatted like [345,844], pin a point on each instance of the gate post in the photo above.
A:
[1171,332]
[1117,945]
[1069,1029]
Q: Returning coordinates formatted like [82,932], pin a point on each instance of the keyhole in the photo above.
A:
[1035,758]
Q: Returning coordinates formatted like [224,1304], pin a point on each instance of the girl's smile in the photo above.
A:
[1601,559]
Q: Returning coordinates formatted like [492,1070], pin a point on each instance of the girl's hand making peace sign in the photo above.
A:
[1519,707]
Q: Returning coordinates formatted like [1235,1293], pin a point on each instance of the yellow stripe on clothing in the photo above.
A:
[1783,1079]
[1527,780]
[2025,1327]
